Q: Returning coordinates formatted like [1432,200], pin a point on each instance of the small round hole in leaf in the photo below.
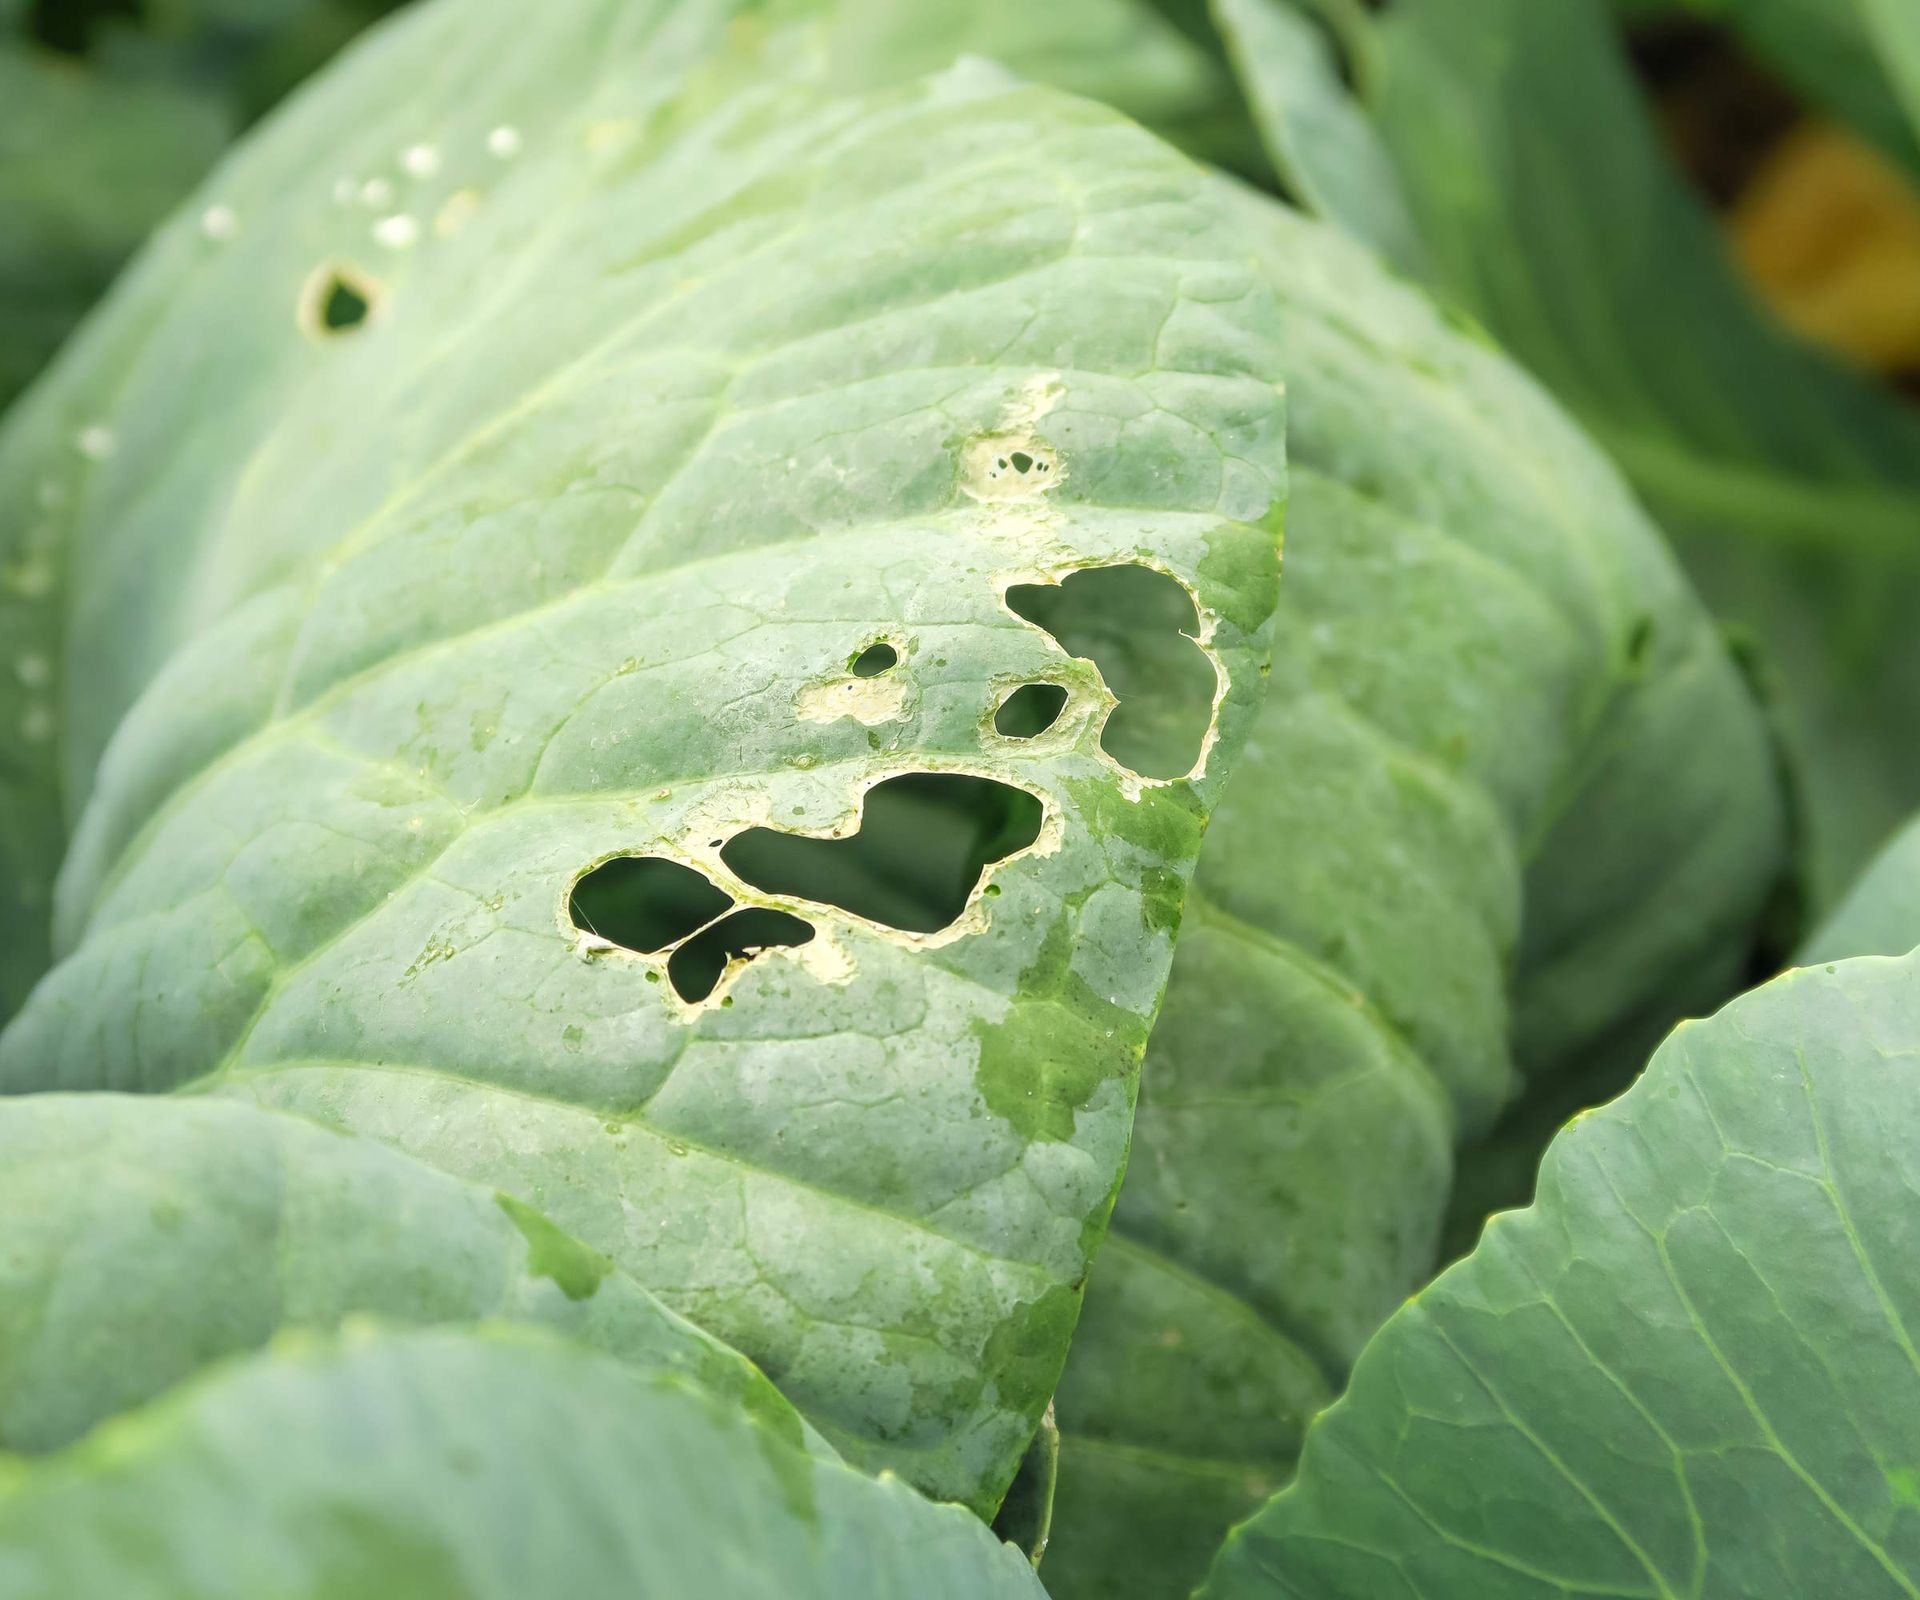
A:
[336,299]
[1030,710]
[874,660]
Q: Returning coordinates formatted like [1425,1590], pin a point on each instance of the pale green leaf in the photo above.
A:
[491,1466]
[86,168]
[148,1238]
[1688,1369]
[681,383]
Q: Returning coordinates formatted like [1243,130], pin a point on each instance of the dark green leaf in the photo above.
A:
[1688,1369]
[1791,485]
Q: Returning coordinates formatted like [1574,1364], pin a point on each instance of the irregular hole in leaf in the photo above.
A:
[337,298]
[1030,710]
[1138,626]
[700,963]
[1004,468]
[645,903]
[924,840]
[874,660]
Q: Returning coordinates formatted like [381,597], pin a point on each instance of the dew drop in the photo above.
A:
[420,160]
[219,222]
[95,442]
[504,142]
[376,194]
[397,232]
[36,727]
[33,670]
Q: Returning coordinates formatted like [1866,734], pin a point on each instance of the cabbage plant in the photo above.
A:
[693,908]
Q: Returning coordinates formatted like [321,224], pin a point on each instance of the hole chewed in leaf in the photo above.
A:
[1140,628]
[924,840]
[645,903]
[1030,710]
[337,298]
[698,965]
[1008,468]
[651,905]
[874,660]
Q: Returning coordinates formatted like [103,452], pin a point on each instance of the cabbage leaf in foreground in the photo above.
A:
[545,645]
[1688,1368]
[492,1464]
[146,1239]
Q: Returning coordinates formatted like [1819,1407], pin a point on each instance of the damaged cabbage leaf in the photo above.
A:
[1507,788]
[495,1464]
[516,489]
[1691,1360]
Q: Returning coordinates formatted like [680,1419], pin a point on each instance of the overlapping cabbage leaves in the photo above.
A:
[1507,797]
[504,489]
[554,465]
[1689,1368]
[497,1464]
[1546,209]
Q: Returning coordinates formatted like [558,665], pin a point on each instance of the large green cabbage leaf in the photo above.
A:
[494,1464]
[1689,1368]
[493,474]
[1507,789]
[147,1238]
